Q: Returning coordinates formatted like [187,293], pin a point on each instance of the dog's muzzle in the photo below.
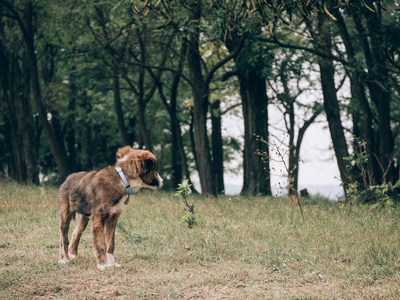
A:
[158,181]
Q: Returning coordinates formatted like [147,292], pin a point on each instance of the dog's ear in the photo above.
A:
[121,152]
[148,162]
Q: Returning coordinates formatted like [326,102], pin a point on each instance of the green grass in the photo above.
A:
[241,248]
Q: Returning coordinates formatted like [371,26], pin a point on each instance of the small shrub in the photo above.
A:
[183,190]
[364,190]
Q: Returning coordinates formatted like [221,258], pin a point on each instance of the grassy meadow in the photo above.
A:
[241,248]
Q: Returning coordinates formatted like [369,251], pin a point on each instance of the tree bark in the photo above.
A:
[70,129]
[217,150]
[378,75]
[16,91]
[366,131]
[118,108]
[256,178]
[58,152]
[200,107]
[256,173]
[331,103]
[15,162]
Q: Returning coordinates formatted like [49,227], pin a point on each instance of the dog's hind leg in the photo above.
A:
[81,223]
[110,227]
[99,243]
[65,219]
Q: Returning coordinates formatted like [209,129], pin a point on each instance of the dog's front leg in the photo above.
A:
[110,227]
[99,244]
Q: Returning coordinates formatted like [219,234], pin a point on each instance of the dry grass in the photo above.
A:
[241,248]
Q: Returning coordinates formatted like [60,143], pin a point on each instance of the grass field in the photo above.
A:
[241,248]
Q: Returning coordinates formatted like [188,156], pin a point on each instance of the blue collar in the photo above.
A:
[121,174]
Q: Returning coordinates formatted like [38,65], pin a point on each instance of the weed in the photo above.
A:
[366,190]
[281,153]
[183,190]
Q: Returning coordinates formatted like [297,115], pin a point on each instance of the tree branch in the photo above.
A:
[311,50]
[225,60]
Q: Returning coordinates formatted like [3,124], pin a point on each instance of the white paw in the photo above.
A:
[101,267]
[71,256]
[63,261]
[111,261]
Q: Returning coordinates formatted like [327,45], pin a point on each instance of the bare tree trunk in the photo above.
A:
[256,173]
[57,150]
[16,167]
[70,129]
[200,108]
[256,178]
[378,75]
[118,107]
[217,150]
[366,130]
[27,130]
[21,138]
[331,103]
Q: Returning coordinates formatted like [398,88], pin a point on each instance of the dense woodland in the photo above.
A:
[81,78]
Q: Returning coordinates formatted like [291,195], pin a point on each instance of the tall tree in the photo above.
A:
[250,67]
[290,82]
[323,42]
[200,104]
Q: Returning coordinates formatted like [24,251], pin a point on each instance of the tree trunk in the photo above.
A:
[87,144]
[293,154]
[378,75]
[360,104]
[25,121]
[331,103]
[200,107]
[15,162]
[217,150]
[58,152]
[118,107]
[22,156]
[256,177]
[70,129]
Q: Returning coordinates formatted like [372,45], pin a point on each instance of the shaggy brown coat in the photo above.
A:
[100,196]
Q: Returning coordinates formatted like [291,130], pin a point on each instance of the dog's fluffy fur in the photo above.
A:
[101,196]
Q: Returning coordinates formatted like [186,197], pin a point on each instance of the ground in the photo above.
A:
[240,248]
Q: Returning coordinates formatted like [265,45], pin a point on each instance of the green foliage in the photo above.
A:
[183,190]
[379,196]
[362,190]
[258,57]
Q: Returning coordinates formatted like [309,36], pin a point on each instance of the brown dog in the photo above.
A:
[101,196]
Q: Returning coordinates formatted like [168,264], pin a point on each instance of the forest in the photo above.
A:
[81,78]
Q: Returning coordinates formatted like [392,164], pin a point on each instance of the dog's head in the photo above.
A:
[121,152]
[140,166]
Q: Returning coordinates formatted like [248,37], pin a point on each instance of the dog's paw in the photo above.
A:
[71,256]
[111,261]
[63,261]
[113,265]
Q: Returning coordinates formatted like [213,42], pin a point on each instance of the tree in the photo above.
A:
[323,42]
[23,15]
[290,82]
[250,65]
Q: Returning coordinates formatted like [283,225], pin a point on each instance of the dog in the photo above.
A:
[101,196]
